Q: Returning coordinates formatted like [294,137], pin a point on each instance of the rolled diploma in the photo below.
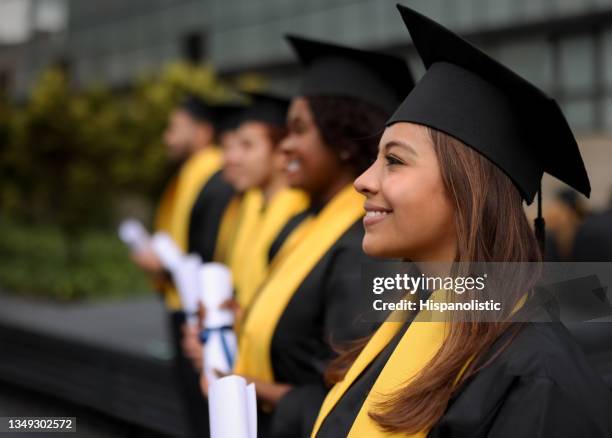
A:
[134,234]
[216,287]
[187,283]
[167,250]
[232,406]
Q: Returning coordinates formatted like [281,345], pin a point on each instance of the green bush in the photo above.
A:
[37,260]
[67,162]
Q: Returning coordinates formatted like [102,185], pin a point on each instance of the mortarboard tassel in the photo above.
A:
[539,224]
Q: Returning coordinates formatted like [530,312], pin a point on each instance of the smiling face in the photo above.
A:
[251,159]
[312,166]
[408,212]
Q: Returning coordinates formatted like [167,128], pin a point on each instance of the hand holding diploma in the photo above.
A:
[134,235]
[166,249]
[219,340]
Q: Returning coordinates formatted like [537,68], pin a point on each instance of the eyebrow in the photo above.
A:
[401,144]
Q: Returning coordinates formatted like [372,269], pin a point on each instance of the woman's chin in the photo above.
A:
[374,247]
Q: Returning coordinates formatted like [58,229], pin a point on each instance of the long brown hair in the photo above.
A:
[491,227]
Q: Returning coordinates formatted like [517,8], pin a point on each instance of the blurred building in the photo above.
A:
[564,46]
[31,38]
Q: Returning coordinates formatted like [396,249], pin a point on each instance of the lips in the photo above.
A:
[375,214]
[294,165]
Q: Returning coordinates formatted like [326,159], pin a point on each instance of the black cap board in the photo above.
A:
[197,108]
[267,108]
[228,116]
[484,104]
[333,70]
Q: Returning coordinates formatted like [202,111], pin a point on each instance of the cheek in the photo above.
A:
[424,218]
[420,212]
[421,216]
[261,163]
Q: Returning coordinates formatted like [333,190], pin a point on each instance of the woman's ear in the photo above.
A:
[205,133]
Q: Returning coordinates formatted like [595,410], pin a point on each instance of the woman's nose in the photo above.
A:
[367,182]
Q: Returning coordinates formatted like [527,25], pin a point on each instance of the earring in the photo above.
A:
[345,155]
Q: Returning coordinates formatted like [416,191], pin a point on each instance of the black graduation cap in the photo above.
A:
[228,116]
[333,70]
[267,108]
[479,101]
[197,108]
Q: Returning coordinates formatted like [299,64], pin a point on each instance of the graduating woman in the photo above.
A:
[308,300]
[268,204]
[457,159]
[256,167]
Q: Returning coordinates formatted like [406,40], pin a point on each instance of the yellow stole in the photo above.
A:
[227,230]
[250,255]
[177,202]
[417,347]
[274,295]
[250,210]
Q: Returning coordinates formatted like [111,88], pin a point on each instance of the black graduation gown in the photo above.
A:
[326,306]
[541,385]
[204,221]
[593,242]
[206,216]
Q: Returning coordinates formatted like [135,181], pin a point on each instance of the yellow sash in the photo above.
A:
[323,231]
[250,210]
[227,230]
[177,202]
[250,255]
[417,347]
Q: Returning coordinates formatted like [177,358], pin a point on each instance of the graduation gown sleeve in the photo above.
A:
[206,216]
[539,407]
[541,386]
[297,411]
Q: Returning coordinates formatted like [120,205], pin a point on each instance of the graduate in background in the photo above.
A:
[457,159]
[257,168]
[564,215]
[228,119]
[309,299]
[268,201]
[190,212]
[593,241]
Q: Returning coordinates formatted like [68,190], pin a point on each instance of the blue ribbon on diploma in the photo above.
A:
[205,334]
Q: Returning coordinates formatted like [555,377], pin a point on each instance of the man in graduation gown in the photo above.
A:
[190,211]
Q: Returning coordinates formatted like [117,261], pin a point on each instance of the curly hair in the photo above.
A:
[350,127]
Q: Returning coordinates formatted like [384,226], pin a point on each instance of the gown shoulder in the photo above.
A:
[539,385]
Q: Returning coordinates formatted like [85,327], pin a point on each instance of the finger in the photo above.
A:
[220,373]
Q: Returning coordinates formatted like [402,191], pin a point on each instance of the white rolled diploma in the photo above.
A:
[134,235]
[232,406]
[166,249]
[215,288]
[186,280]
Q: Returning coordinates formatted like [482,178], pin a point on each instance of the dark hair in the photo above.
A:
[349,126]
[276,134]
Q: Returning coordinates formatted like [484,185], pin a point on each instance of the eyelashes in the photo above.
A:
[392,161]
